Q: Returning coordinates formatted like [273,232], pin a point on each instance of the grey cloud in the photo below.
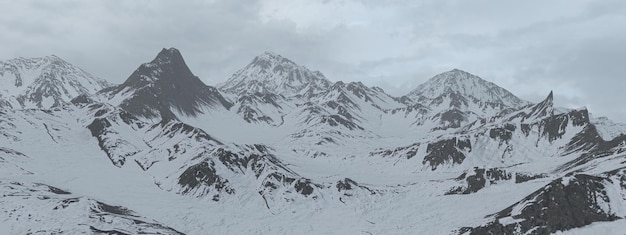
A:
[530,47]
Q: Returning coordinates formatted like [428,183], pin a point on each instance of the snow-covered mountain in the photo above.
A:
[43,82]
[272,73]
[470,87]
[278,149]
[457,98]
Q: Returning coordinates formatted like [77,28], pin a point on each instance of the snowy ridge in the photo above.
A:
[43,82]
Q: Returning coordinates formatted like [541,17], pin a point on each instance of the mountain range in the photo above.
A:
[280,149]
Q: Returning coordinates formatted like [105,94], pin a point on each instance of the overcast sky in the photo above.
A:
[576,48]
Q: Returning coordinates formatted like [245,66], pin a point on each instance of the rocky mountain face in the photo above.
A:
[43,82]
[278,144]
[164,88]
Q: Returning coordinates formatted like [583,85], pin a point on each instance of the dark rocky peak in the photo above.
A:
[169,56]
[165,85]
[167,67]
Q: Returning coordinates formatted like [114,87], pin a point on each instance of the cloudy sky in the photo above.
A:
[576,48]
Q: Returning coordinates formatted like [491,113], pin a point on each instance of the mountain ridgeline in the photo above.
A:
[280,144]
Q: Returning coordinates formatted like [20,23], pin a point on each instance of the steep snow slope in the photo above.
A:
[43,82]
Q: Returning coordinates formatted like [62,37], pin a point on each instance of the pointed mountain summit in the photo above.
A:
[535,112]
[272,73]
[455,98]
[467,85]
[167,67]
[43,82]
[164,88]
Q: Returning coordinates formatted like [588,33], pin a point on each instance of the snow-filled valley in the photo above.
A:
[279,149]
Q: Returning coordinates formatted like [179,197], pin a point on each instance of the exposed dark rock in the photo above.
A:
[556,207]
[553,127]
[450,119]
[478,180]
[525,129]
[345,184]
[502,133]
[232,160]
[579,117]
[336,120]
[57,190]
[98,126]
[118,210]
[108,232]
[303,186]
[203,175]
[593,146]
[446,151]
[407,151]
[82,100]
[130,119]
[523,177]
[495,174]
[101,112]
[66,203]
